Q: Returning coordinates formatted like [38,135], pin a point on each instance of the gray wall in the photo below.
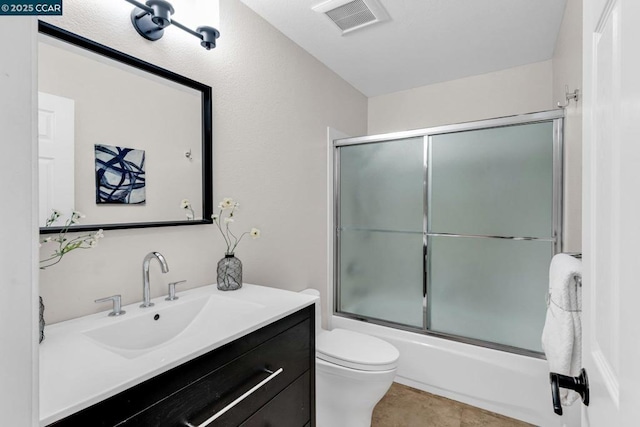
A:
[518,90]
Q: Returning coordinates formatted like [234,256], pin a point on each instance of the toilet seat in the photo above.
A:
[357,351]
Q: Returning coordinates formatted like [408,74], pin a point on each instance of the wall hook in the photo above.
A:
[575,95]
[188,155]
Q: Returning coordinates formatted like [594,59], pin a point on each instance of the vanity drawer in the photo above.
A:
[207,396]
[198,388]
[287,402]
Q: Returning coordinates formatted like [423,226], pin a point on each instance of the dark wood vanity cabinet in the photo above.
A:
[191,393]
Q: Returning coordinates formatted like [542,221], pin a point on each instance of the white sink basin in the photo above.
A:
[139,332]
[86,360]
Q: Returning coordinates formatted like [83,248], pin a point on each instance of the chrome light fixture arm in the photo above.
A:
[152,18]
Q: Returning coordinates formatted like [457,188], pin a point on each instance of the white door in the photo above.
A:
[55,155]
[611,212]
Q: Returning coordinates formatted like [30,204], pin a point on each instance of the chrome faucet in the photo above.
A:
[145,276]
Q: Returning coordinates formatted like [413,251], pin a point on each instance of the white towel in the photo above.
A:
[562,333]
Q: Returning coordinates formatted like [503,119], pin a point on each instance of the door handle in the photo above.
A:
[579,384]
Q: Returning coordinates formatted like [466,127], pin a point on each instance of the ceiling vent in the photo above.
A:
[351,15]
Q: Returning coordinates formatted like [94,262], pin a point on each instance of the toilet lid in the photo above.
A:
[355,350]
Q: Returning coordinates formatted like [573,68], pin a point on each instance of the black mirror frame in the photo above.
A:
[207,133]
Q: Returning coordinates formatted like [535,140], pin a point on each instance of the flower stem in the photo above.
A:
[228,243]
[238,240]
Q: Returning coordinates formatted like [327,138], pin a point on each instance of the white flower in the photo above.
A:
[231,240]
[75,216]
[55,214]
[68,244]
[227,203]
[185,204]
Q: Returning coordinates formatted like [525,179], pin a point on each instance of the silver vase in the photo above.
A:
[229,273]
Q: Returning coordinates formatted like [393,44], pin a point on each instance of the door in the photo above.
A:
[611,211]
[55,156]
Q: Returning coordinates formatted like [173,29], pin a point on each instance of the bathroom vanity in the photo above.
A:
[243,358]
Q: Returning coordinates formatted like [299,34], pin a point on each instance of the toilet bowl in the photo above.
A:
[353,372]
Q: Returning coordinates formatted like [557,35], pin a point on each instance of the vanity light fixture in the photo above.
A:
[152,18]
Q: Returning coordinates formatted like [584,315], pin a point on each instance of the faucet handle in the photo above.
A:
[117,304]
[172,290]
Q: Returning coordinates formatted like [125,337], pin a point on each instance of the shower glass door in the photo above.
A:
[449,231]
[490,233]
[381,230]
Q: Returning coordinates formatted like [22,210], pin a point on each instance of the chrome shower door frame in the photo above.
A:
[555,116]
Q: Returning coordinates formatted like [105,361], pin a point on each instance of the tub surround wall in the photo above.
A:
[567,70]
[19,301]
[272,105]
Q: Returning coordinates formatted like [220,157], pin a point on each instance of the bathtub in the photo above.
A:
[509,384]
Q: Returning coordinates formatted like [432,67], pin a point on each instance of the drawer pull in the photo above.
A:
[238,400]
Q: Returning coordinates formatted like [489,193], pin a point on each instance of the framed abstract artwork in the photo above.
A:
[120,177]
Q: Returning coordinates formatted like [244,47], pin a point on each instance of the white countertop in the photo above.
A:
[77,372]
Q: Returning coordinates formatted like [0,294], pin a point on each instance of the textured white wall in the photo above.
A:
[18,304]
[272,105]
[567,70]
[516,90]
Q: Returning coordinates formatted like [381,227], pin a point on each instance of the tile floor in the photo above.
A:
[404,406]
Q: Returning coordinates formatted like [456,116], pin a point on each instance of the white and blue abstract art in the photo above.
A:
[120,177]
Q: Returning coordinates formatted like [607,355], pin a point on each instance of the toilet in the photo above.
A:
[353,372]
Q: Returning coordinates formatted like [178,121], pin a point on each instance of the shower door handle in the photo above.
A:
[424,281]
[426,263]
[425,253]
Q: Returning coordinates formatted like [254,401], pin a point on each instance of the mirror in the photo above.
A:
[124,142]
